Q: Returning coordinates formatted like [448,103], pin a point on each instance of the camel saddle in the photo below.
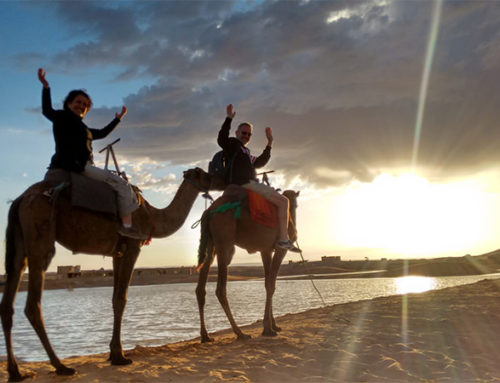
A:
[261,210]
[85,192]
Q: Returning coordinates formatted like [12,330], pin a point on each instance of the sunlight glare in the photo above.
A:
[414,284]
[410,216]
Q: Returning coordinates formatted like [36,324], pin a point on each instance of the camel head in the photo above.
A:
[199,178]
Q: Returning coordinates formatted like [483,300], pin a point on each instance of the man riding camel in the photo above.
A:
[242,172]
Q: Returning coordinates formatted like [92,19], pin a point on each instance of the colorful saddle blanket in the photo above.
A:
[261,210]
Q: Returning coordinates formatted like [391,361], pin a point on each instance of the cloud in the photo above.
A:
[337,81]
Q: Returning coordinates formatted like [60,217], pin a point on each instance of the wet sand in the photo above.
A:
[447,335]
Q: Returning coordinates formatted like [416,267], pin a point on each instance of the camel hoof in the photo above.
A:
[277,328]
[269,333]
[67,371]
[206,339]
[244,336]
[121,361]
[18,377]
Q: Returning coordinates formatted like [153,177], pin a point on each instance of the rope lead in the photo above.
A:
[315,288]
[310,276]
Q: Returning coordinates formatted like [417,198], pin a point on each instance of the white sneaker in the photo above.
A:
[288,245]
[131,232]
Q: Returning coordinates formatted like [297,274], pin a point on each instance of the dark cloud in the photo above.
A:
[338,81]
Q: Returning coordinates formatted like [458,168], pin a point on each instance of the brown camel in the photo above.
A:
[220,232]
[30,239]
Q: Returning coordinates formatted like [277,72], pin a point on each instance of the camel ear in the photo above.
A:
[297,194]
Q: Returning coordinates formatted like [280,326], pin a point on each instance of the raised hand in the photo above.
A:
[229,111]
[41,77]
[269,135]
[122,113]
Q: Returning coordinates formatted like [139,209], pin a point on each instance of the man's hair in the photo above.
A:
[245,124]
[74,94]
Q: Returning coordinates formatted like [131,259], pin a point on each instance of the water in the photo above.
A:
[79,321]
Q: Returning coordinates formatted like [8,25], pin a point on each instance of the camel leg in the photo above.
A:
[38,233]
[7,308]
[200,297]
[278,257]
[33,312]
[270,286]
[221,292]
[122,273]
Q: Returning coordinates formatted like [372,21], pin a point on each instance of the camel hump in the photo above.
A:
[235,192]
[232,194]
[55,177]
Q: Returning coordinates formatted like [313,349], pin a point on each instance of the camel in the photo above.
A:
[220,232]
[33,227]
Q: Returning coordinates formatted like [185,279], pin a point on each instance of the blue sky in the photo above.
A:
[339,81]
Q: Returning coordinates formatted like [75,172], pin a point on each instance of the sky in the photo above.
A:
[384,113]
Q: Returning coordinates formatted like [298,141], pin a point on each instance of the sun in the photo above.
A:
[408,215]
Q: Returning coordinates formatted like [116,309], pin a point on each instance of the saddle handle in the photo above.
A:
[109,149]
[265,179]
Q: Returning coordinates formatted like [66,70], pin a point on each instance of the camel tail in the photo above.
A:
[10,235]
[206,245]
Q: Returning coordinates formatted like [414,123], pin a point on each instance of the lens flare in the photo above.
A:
[429,56]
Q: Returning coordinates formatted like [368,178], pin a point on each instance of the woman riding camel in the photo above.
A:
[74,148]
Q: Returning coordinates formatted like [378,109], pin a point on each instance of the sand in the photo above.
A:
[449,335]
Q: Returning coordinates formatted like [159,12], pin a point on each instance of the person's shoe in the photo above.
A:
[288,245]
[131,232]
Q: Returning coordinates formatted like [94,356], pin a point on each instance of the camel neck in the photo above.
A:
[170,219]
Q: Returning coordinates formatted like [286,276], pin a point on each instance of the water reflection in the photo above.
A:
[414,284]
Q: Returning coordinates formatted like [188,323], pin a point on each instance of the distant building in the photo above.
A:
[330,260]
[290,262]
[69,271]
[153,272]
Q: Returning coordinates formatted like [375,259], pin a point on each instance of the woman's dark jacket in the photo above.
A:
[72,137]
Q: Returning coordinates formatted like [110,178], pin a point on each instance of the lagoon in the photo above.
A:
[79,321]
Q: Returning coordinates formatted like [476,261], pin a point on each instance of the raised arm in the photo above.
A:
[264,158]
[47,109]
[122,113]
[41,77]
[269,135]
[101,133]
[223,137]
[230,113]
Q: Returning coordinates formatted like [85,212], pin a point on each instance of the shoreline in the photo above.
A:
[327,268]
[440,335]
[87,282]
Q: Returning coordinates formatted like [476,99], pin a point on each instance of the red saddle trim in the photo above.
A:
[261,210]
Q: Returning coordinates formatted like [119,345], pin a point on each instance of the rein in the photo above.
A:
[205,194]
[292,223]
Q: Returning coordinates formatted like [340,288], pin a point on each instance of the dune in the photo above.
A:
[446,335]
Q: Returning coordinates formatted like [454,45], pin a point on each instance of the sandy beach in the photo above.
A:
[447,335]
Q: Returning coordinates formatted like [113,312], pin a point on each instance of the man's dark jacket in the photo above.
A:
[241,164]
